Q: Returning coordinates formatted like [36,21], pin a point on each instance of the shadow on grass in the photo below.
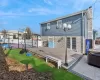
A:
[8,52]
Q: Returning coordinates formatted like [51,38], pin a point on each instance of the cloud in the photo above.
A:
[48,2]
[3,22]
[60,3]
[14,14]
[3,2]
[45,11]
[80,4]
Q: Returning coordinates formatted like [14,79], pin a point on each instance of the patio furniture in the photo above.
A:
[28,54]
[54,59]
[94,59]
[22,51]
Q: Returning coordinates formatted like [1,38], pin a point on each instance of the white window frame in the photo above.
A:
[48,26]
[59,24]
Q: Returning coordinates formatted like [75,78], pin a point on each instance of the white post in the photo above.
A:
[53,42]
[46,59]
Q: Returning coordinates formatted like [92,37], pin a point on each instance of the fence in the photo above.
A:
[29,43]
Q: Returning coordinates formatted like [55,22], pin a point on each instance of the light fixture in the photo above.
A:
[64,25]
[67,26]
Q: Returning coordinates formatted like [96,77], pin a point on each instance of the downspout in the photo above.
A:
[83,40]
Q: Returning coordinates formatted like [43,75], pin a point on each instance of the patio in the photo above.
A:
[55,52]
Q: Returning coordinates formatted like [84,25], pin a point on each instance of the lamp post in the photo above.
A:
[18,39]
[25,32]
[32,41]
[66,27]
[8,41]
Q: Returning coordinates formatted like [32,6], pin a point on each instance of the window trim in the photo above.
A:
[48,26]
[59,24]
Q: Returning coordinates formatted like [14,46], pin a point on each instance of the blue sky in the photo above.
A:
[15,14]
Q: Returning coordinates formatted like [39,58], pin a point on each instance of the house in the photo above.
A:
[54,32]
[10,36]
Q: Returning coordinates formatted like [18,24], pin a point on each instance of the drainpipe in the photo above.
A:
[32,41]
[83,39]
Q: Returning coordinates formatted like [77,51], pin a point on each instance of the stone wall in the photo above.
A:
[59,42]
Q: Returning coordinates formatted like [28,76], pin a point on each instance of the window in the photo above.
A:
[48,26]
[73,43]
[59,24]
[68,42]
[14,37]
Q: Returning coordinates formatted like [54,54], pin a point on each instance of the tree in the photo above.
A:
[29,33]
[4,34]
[95,34]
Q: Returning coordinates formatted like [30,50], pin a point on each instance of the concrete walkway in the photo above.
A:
[87,70]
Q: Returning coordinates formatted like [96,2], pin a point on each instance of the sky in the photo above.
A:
[16,14]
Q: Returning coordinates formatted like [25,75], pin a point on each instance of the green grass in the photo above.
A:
[40,66]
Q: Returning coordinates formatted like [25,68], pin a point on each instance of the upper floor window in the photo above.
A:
[59,24]
[48,26]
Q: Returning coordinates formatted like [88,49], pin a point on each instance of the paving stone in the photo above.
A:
[83,68]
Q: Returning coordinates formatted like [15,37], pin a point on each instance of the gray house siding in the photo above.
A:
[75,21]
[81,23]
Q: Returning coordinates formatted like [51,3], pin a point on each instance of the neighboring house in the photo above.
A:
[36,36]
[11,36]
[53,32]
[37,40]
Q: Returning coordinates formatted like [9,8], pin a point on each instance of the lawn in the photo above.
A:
[40,65]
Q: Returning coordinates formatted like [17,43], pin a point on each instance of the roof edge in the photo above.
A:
[69,15]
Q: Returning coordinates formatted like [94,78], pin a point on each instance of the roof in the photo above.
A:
[36,34]
[73,14]
[13,31]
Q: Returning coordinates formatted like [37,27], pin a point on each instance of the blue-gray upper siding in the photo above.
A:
[76,30]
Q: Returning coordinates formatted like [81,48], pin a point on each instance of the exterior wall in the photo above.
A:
[81,25]
[10,35]
[60,45]
[89,23]
[75,21]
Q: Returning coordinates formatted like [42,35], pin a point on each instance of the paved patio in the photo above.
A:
[55,52]
[87,70]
